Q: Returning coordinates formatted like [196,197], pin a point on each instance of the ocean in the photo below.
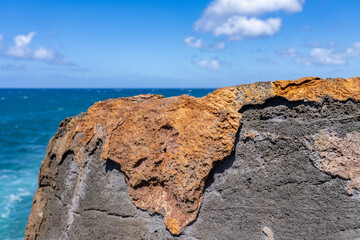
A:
[28,119]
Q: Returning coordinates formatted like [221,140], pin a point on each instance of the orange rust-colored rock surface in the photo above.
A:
[166,147]
[313,88]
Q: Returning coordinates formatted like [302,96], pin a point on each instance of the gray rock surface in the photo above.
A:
[271,181]
[268,188]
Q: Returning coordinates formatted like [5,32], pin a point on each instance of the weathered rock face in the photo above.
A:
[277,159]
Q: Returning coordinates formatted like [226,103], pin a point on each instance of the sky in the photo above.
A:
[175,43]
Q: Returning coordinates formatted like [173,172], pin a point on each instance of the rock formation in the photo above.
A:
[269,160]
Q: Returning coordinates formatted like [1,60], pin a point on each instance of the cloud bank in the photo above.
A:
[21,50]
[323,56]
[239,19]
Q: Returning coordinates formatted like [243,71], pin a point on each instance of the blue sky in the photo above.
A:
[175,43]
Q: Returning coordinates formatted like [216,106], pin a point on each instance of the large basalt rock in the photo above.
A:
[279,156]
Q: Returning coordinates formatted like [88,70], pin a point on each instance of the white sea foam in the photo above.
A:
[10,201]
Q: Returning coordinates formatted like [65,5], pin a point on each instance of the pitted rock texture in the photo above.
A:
[165,147]
[165,150]
[339,156]
[270,184]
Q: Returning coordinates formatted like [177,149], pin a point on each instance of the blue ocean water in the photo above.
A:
[28,119]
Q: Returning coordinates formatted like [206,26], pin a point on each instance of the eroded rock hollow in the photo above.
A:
[269,160]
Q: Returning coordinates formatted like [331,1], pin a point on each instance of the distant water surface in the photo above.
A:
[28,119]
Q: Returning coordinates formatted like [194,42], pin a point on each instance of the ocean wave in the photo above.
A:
[10,201]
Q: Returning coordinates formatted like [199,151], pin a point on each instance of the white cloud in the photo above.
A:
[238,19]
[43,54]
[1,38]
[238,27]
[21,50]
[323,56]
[212,65]
[191,42]
[24,40]
[252,7]
[326,57]
[199,43]
[353,51]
